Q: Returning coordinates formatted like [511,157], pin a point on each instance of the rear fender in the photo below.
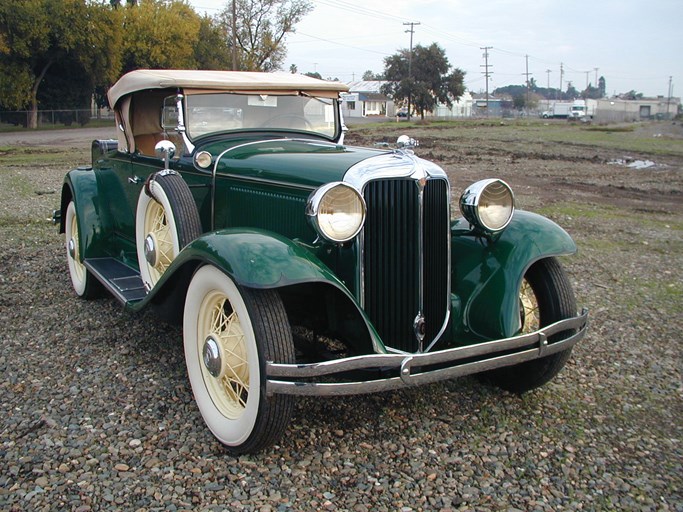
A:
[80,186]
[487,273]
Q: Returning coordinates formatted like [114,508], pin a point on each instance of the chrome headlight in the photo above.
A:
[488,205]
[337,211]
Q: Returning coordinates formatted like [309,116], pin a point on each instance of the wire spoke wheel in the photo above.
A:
[530,316]
[229,333]
[218,322]
[545,296]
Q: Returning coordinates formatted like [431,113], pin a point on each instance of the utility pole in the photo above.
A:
[561,77]
[234,36]
[527,85]
[587,83]
[548,71]
[410,64]
[596,76]
[486,73]
[668,101]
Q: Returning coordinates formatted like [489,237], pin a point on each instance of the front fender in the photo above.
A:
[487,273]
[255,259]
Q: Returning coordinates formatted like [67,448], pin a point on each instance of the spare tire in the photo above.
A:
[166,221]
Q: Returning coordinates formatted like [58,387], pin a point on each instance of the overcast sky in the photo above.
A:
[635,44]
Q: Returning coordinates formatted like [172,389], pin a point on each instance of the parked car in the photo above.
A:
[299,265]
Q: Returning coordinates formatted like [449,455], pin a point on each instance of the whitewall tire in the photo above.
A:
[84,284]
[229,333]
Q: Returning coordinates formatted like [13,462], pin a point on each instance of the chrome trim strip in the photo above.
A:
[182,129]
[527,347]
[419,322]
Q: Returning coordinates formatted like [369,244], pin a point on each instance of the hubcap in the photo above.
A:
[71,247]
[211,355]
[151,249]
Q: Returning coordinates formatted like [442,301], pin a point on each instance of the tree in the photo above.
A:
[38,36]
[261,29]
[429,82]
[369,76]
[160,34]
[571,93]
[602,87]
[212,50]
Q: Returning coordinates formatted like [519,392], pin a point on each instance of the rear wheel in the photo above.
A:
[229,333]
[84,283]
[545,297]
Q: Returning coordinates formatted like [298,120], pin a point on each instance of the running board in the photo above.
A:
[121,280]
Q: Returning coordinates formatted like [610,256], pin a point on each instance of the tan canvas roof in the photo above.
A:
[237,81]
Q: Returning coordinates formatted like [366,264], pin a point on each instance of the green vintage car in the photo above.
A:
[299,265]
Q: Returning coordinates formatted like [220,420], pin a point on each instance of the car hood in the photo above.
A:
[307,163]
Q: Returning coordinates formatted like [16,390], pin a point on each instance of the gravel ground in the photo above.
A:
[97,412]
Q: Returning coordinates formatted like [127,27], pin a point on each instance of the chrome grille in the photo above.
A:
[391,259]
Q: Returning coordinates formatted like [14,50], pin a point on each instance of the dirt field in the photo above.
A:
[97,413]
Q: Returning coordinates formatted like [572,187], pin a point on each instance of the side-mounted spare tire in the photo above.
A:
[166,220]
[545,297]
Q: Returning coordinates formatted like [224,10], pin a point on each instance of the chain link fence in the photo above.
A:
[55,118]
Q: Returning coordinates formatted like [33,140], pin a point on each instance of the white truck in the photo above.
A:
[557,111]
[582,110]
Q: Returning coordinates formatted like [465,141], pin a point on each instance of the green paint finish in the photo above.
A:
[256,259]
[298,163]
[93,227]
[486,275]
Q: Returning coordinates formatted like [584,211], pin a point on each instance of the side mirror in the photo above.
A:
[165,149]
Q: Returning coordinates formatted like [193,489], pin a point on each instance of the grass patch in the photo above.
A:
[93,123]
[610,129]
[20,156]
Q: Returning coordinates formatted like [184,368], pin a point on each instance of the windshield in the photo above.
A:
[220,112]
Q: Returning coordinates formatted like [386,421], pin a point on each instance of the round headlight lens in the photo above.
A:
[488,205]
[337,211]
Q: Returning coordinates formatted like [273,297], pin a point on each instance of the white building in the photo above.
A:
[366,99]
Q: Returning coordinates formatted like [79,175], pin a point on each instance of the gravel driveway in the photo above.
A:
[97,412]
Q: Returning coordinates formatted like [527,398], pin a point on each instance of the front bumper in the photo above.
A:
[424,368]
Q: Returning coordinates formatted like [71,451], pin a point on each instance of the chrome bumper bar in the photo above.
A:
[454,362]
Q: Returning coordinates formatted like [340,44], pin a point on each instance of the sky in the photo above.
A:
[634,44]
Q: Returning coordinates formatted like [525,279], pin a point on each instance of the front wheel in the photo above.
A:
[545,297]
[229,333]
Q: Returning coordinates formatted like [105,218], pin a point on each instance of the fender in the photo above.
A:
[487,272]
[253,258]
[80,186]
